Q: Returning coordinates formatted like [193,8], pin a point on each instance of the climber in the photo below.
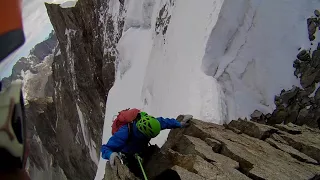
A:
[135,136]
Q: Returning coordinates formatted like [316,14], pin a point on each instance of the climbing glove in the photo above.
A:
[186,121]
[112,159]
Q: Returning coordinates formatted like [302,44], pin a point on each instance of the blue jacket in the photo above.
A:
[118,142]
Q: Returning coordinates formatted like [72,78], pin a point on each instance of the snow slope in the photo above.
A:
[217,60]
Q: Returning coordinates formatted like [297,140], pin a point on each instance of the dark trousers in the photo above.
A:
[132,163]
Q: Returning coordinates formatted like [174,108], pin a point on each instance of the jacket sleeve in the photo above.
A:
[116,143]
[168,123]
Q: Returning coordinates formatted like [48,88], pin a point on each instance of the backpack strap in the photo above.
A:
[130,128]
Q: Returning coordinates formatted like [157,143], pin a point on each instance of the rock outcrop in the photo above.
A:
[300,105]
[240,150]
[83,72]
[36,56]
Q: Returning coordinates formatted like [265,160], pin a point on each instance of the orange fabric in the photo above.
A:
[10,15]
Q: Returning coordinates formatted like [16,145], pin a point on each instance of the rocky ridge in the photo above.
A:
[36,56]
[83,72]
[300,105]
[240,150]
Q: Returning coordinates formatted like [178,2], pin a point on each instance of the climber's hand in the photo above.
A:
[112,159]
[186,121]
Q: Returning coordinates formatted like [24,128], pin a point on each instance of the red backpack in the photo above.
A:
[124,117]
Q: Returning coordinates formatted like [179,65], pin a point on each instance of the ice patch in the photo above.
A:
[68,4]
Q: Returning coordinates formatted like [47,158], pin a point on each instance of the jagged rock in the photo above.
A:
[303,113]
[308,142]
[253,129]
[198,165]
[256,114]
[315,58]
[290,150]
[293,112]
[252,153]
[312,28]
[303,56]
[268,116]
[277,117]
[83,73]
[308,78]
[317,13]
[312,37]
[120,173]
[215,144]
[192,145]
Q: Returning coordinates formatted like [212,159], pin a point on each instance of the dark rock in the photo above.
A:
[308,78]
[304,55]
[315,58]
[46,47]
[256,114]
[277,117]
[318,47]
[293,112]
[268,116]
[302,116]
[312,27]
[312,37]
[317,96]
[317,13]
[215,144]
[306,101]
[83,74]
[286,96]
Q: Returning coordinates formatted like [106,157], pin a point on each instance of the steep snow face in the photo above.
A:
[251,50]
[217,60]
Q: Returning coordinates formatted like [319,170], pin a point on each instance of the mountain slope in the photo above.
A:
[218,60]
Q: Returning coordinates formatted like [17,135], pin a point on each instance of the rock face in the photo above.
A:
[297,105]
[240,150]
[36,56]
[82,74]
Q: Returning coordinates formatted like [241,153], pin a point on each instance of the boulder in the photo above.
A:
[312,27]
[277,117]
[304,55]
[316,13]
[253,129]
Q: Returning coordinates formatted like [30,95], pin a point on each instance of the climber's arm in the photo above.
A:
[168,123]
[116,143]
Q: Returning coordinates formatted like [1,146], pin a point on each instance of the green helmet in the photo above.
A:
[148,125]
